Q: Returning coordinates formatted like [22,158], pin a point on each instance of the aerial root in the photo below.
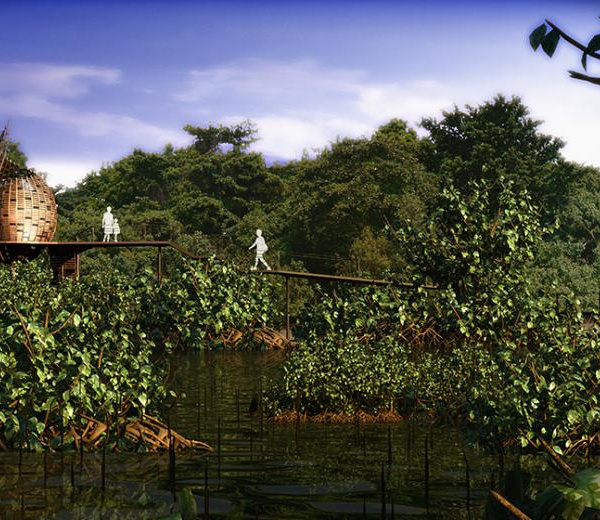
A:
[267,336]
[148,432]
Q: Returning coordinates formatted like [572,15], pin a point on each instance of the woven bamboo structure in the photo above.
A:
[28,211]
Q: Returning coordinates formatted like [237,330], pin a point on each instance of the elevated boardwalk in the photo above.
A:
[65,258]
[329,278]
[320,277]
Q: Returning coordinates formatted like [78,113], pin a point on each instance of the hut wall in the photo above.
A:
[28,210]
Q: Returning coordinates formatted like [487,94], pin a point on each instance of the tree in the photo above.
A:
[213,138]
[206,187]
[547,35]
[497,138]
[12,150]
[572,257]
[354,184]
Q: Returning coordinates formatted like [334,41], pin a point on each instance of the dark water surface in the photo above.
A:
[259,469]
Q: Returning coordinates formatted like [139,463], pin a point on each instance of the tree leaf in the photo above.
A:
[537,35]
[550,42]
[594,44]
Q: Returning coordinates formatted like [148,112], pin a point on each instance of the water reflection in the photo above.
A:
[318,470]
[259,469]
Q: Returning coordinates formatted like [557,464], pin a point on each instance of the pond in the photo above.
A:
[260,469]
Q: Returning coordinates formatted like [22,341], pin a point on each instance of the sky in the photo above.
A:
[83,83]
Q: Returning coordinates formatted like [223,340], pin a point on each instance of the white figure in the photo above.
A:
[107,224]
[116,228]
[261,249]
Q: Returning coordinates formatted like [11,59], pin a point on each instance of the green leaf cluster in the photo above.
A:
[485,350]
[99,347]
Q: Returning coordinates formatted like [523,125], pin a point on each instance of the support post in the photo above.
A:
[287,308]
[159,266]
[77,264]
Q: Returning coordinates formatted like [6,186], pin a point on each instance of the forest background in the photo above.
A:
[335,210]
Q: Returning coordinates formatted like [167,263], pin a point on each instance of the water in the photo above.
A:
[260,469]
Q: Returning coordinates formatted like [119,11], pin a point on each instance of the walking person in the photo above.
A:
[261,249]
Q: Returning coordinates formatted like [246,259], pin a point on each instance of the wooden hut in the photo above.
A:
[28,211]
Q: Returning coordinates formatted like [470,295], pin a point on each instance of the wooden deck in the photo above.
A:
[65,257]
[321,277]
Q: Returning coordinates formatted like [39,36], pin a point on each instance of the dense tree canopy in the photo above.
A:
[497,138]
[354,186]
[329,212]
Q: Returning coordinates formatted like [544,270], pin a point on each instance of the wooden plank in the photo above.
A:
[344,279]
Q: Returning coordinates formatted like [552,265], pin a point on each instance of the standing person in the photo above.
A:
[116,228]
[107,224]
[261,249]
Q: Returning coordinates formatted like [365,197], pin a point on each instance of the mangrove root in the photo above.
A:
[515,511]
[148,432]
[267,336]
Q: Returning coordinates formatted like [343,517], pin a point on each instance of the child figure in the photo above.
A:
[107,224]
[116,228]
[261,249]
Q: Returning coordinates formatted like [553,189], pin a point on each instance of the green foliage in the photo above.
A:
[72,351]
[570,257]
[476,246]
[213,194]
[550,42]
[15,154]
[97,347]
[482,350]
[537,36]
[571,502]
[354,184]
[175,192]
[208,299]
[372,255]
[499,347]
[548,375]
[212,138]
[497,139]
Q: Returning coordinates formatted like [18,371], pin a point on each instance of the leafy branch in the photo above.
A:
[547,35]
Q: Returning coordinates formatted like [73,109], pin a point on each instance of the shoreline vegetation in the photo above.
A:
[484,208]
[97,351]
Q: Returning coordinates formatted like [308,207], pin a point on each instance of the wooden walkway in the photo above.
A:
[321,277]
[329,278]
[65,257]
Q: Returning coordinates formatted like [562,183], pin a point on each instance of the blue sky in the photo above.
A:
[83,83]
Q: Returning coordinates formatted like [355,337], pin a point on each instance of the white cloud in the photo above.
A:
[290,137]
[87,123]
[63,171]
[411,101]
[43,92]
[302,105]
[54,81]
[268,82]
